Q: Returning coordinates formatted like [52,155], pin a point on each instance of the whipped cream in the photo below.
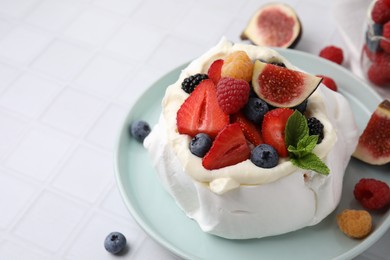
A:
[245,201]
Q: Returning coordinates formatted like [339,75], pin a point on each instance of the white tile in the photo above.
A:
[86,174]
[11,128]
[54,14]
[113,203]
[93,26]
[63,60]
[136,40]
[106,130]
[39,152]
[120,6]
[50,221]
[95,233]
[30,95]
[16,8]
[13,251]
[104,75]
[73,111]
[11,206]
[7,74]
[5,27]
[23,44]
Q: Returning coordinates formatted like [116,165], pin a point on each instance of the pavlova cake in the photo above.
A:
[250,146]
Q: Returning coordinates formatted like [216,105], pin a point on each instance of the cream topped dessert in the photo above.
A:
[225,190]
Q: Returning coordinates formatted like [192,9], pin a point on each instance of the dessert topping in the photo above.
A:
[237,65]
[214,71]
[316,128]
[200,144]
[190,83]
[264,156]
[329,82]
[250,130]
[232,94]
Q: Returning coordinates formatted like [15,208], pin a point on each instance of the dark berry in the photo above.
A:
[316,128]
[115,242]
[200,144]
[255,109]
[139,130]
[190,83]
[264,156]
[301,107]
[372,194]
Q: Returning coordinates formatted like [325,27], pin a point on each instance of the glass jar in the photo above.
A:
[375,54]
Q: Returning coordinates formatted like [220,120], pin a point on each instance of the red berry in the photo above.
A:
[273,129]
[229,148]
[380,12]
[251,132]
[200,112]
[375,75]
[387,2]
[372,194]
[329,82]
[332,53]
[214,72]
[232,94]
[385,44]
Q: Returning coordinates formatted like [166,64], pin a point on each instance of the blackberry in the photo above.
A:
[316,128]
[190,83]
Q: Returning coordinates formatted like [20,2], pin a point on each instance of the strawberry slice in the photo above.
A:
[200,112]
[273,129]
[229,148]
[251,132]
[214,72]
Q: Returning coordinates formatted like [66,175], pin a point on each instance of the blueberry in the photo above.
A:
[264,156]
[200,144]
[255,109]
[140,130]
[115,242]
[301,107]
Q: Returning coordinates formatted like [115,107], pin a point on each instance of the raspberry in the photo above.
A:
[372,194]
[380,13]
[329,82]
[232,94]
[385,44]
[355,223]
[332,53]
[238,65]
[316,128]
[375,75]
[190,83]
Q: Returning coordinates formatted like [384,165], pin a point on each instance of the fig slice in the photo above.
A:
[274,25]
[374,143]
[282,87]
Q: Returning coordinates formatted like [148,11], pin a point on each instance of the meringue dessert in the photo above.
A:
[234,189]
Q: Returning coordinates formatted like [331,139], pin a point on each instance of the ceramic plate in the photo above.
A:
[156,212]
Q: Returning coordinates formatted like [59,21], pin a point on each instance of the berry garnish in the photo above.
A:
[238,65]
[190,83]
[139,130]
[115,242]
[264,156]
[273,129]
[332,53]
[229,148]
[355,223]
[200,144]
[214,72]
[251,132]
[372,194]
[232,94]
[380,13]
[316,128]
[329,82]
[255,109]
[200,112]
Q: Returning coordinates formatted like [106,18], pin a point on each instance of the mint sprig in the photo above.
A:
[300,145]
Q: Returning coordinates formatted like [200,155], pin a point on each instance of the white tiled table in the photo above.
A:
[69,72]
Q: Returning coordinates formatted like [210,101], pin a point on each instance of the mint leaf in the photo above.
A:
[296,129]
[311,162]
[308,143]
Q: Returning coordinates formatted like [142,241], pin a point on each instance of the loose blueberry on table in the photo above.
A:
[115,242]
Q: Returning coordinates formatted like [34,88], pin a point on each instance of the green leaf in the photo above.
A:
[296,129]
[311,162]
[308,143]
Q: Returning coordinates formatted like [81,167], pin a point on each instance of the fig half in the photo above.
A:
[282,87]
[274,25]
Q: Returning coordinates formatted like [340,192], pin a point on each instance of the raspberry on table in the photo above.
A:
[372,194]
[332,53]
[355,223]
[190,83]
[237,65]
[232,94]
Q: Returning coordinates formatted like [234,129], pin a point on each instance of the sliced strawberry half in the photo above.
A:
[273,129]
[250,130]
[229,148]
[214,72]
[200,112]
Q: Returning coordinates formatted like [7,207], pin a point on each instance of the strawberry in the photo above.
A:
[214,72]
[229,148]
[329,82]
[232,94]
[251,132]
[200,112]
[273,129]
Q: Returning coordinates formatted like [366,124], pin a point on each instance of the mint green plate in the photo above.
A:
[156,212]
